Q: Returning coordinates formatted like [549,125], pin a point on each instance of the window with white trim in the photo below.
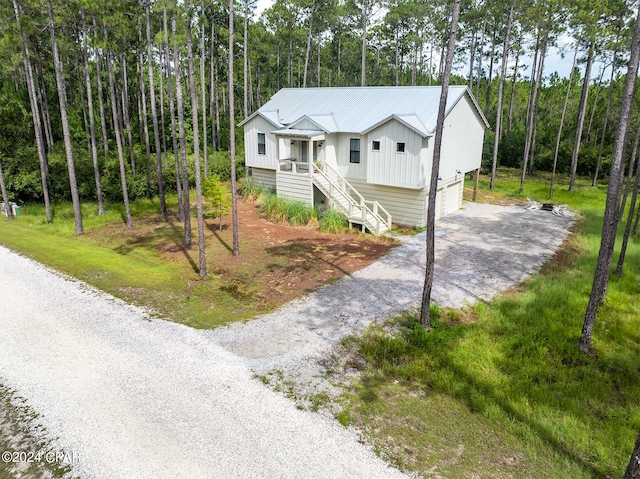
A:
[262,144]
[375,145]
[400,147]
[354,150]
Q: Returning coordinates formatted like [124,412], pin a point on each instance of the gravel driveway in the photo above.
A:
[134,397]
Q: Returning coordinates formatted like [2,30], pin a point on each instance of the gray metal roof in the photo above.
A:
[358,109]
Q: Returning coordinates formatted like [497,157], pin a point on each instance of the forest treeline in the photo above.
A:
[124,72]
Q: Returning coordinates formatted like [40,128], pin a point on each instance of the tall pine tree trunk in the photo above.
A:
[490,77]
[503,73]
[365,24]
[532,112]
[339,61]
[435,170]
[186,208]
[92,122]
[154,116]
[203,92]
[143,100]
[472,53]
[85,122]
[103,123]
[118,135]
[232,139]
[627,228]
[318,73]
[581,113]
[543,56]
[5,196]
[212,91]
[564,112]
[634,158]
[609,227]
[35,113]
[196,148]
[513,89]
[172,110]
[66,132]
[587,136]
[308,52]
[125,108]
[162,121]
[633,469]
[246,58]
[606,117]
[480,52]
[44,106]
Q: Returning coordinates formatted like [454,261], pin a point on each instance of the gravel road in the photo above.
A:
[129,396]
[132,397]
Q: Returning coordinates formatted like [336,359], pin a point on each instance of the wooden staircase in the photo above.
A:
[370,215]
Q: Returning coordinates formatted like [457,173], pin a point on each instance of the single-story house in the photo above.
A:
[365,150]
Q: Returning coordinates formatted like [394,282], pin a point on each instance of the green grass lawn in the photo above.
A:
[129,268]
[501,389]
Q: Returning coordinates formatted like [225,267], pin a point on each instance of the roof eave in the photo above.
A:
[256,113]
[423,134]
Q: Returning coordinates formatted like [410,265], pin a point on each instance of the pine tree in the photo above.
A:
[435,170]
[609,227]
[66,132]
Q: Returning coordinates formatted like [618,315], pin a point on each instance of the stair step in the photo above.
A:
[344,202]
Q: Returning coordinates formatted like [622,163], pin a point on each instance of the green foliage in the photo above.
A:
[284,210]
[217,195]
[331,221]
[511,149]
[220,165]
[250,190]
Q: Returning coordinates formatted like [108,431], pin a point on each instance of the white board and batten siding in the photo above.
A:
[406,206]
[342,145]
[294,187]
[254,160]
[462,139]
[387,166]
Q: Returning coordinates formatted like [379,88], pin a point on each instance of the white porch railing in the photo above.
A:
[369,214]
[292,165]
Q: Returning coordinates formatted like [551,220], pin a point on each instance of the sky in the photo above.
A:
[555,62]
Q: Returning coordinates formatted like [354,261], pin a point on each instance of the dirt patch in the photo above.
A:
[277,262]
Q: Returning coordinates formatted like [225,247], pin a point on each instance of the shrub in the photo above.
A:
[217,195]
[250,190]
[281,210]
[331,220]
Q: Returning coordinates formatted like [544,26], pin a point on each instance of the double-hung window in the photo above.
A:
[354,150]
[262,144]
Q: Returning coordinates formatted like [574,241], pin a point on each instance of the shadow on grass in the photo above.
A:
[530,374]
[177,238]
[215,230]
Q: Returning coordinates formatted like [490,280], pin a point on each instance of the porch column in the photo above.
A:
[310,155]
